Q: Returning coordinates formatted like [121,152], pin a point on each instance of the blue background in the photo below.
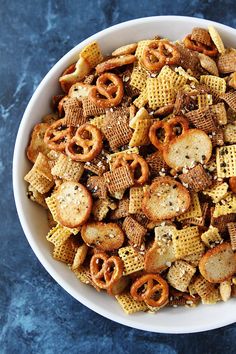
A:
[36,314]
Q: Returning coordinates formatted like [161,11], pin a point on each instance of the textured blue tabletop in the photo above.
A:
[36,314]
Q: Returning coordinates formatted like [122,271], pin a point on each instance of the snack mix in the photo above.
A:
[136,169]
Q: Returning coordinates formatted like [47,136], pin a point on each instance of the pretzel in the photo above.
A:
[91,146]
[155,295]
[113,91]
[232,184]
[211,50]
[115,62]
[158,53]
[136,161]
[58,135]
[168,129]
[105,271]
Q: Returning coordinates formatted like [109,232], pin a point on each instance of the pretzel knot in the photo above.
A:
[152,289]
[110,86]
[106,271]
[170,131]
[58,135]
[232,184]
[211,50]
[86,143]
[137,164]
[159,53]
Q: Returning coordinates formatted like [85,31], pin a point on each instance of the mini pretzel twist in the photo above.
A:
[106,271]
[168,128]
[109,86]
[211,51]
[58,135]
[232,184]
[87,138]
[134,161]
[159,53]
[152,289]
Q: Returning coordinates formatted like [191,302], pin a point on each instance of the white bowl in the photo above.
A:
[33,218]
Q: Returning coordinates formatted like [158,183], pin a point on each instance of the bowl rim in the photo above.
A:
[220,322]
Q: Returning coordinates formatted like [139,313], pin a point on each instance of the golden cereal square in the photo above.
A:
[129,305]
[92,53]
[187,241]
[133,261]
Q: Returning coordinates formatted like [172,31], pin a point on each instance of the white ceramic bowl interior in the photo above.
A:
[33,218]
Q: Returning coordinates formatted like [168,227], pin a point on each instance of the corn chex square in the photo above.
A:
[217,192]
[122,209]
[225,206]
[219,113]
[160,92]
[133,261]
[140,48]
[136,195]
[187,241]
[92,53]
[67,169]
[216,84]
[207,291]
[177,80]
[180,274]
[65,252]
[142,99]
[211,237]
[140,135]
[226,161]
[194,210]
[58,235]
[129,305]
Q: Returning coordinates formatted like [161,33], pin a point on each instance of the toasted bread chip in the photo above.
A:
[232,233]
[225,206]
[217,192]
[104,236]
[119,179]
[37,143]
[79,90]
[116,62]
[134,231]
[171,197]
[226,161]
[216,39]
[230,133]
[219,112]
[208,64]
[65,252]
[218,264]
[79,257]
[180,275]
[227,63]
[92,53]
[195,144]
[136,195]
[207,291]
[202,119]
[125,49]
[129,305]
[187,242]
[133,261]
[67,169]
[225,290]
[196,179]
[160,92]
[73,204]
[194,210]
[211,237]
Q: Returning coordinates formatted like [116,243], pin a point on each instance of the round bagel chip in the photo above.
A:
[73,204]
[165,199]
[188,149]
[218,264]
[104,236]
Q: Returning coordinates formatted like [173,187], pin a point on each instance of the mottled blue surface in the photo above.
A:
[36,315]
